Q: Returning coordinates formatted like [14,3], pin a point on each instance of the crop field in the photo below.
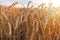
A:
[29,23]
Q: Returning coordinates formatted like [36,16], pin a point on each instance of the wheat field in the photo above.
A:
[41,23]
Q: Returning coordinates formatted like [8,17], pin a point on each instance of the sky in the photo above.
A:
[25,2]
[8,2]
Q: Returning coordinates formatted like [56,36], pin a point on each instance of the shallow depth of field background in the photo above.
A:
[30,20]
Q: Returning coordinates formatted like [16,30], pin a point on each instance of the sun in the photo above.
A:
[56,3]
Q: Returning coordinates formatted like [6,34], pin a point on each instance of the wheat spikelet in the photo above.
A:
[28,4]
[16,25]
[13,4]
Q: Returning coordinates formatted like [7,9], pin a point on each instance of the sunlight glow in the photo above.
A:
[56,3]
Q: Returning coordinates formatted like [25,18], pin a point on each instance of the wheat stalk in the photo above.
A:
[7,22]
